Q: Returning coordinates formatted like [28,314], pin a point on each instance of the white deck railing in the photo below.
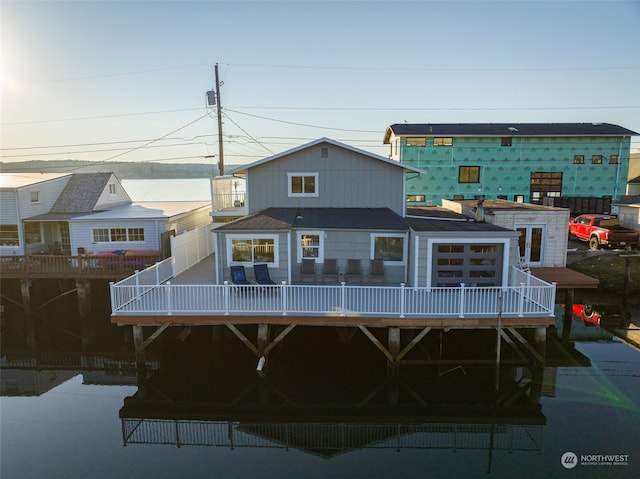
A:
[531,298]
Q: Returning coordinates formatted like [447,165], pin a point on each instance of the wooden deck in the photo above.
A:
[565,278]
[74,267]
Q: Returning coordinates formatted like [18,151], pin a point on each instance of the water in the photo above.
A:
[325,409]
[179,189]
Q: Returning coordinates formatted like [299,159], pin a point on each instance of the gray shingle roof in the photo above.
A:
[506,129]
[81,193]
[326,218]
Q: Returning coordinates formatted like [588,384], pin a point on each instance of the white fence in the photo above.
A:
[191,247]
[532,297]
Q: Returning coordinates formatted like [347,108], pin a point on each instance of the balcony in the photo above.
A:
[142,295]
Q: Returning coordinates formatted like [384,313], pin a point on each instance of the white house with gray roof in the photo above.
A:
[85,213]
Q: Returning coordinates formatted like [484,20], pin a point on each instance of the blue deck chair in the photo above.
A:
[238,276]
[261,272]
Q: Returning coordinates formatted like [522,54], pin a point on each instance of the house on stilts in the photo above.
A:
[320,236]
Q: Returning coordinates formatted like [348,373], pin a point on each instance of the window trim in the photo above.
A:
[403,236]
[292,175]
[34,197]
[229,247]
[320,234]
[110,232]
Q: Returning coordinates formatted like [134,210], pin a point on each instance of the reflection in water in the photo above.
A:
[322,394]
[331,405]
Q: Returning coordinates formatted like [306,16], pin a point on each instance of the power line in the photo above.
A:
[148,143]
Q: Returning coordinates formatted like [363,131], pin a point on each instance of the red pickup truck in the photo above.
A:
[602,230]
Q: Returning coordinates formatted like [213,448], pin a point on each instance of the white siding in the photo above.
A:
[629,216]
[82,235]
[48,193]
[108,200]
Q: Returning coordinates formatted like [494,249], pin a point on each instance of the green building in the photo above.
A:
[523,162]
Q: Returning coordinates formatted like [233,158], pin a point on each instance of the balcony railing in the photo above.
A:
[47,266]
[137,296]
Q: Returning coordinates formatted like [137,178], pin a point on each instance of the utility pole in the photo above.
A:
[219,108]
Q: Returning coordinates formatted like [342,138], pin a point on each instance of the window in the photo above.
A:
[303,184]
[469,174]
[518,198]
[578,160]
[101,235]
[596,159]
[614,159]
[506,141]
[388,247]
[112,188]
[416,142]
[324,152]
[135,234]
[118,234]
[443,142]
[248,249]
[415,198]
[32,233]
[545,184]
[35,197]
[9,235]
[311,245]
[106,235]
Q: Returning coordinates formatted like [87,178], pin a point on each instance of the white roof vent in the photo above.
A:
[512,128]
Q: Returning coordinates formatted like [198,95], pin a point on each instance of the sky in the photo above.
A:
[126,81]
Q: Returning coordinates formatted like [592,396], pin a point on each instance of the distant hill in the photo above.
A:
[122,170]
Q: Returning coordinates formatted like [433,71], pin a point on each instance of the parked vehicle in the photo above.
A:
[602,230]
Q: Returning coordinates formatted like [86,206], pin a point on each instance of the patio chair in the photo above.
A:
[376,270]
[261,271]
[354,269]
[330,270]
[308,269]
[238,276]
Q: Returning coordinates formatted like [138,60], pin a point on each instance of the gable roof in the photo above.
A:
[315,218]
[505,129]
[82,192]
[242,169]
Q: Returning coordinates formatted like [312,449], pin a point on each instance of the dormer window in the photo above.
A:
[112,188]
[35,197]
[303,184]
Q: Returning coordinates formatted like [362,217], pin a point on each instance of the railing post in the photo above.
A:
[462,293]
[135,275]
[226,298]
[168,290]
[552,300]
[112,293]
[284,298]
[402,292]
[343,292]
[157,274]
[521,305]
